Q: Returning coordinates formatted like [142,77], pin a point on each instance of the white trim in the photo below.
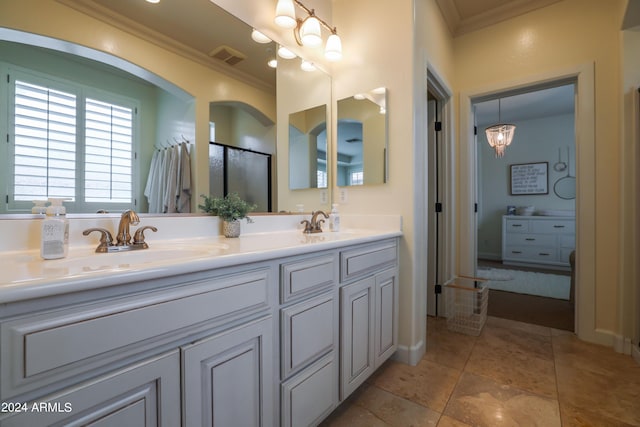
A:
[410,355]
[622,344]
[584,76]
[635,353]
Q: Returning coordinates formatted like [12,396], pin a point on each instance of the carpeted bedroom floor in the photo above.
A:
[550,312]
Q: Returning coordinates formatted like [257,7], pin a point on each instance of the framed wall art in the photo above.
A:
[529,178]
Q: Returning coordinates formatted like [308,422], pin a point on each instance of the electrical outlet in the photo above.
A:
[324,198]
[343,196]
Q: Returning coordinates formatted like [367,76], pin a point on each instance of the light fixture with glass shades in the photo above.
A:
[500,135]
[308,31]
[258,37]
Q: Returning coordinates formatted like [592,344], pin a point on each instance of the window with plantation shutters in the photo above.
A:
[108,152]
[72,142]
[45,143]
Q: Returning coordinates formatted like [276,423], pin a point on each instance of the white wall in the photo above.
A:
[535,141]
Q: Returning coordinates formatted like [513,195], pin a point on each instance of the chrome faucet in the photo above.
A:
[123,238]
[315,225]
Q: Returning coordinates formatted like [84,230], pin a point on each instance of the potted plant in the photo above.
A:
[231,209]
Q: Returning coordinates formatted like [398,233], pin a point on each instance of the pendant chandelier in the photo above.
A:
[500,135]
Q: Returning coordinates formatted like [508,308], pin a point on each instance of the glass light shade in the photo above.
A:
[499,137]
[307,66]
[310,34]
[273,63]
[285,53]
[153,1]
[285,14]
[333,48]
[258,37]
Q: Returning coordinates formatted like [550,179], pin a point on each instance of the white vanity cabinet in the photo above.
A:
[309,339]
[368,311]
[184,351]
[278,339]
[538,240]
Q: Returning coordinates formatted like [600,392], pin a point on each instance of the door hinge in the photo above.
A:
[475,130]
[438,126]
[438,207]
[438,289]
[475,207]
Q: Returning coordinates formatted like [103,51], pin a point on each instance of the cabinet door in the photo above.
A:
[228,378]
[146,395]
[386,316]
[357,306]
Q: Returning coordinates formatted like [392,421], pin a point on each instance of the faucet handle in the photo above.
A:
[138,237]
[106,239]
[307,226]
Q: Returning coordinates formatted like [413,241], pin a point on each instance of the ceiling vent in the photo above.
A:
[227,54]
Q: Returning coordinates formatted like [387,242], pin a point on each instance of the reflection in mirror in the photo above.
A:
[240,161]
[114,125]
[308,148]
[362,139]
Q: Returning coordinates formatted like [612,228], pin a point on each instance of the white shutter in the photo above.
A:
[45,143]
[108,152]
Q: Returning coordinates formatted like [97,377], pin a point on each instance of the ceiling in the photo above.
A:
[464,16]
[191,28]
[194,28]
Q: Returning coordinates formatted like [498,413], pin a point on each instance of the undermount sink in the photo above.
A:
[131,259]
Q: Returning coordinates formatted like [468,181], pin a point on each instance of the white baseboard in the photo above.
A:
[409,355]
[622,345]
[635,353]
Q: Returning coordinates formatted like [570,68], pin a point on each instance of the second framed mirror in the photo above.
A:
[362,139]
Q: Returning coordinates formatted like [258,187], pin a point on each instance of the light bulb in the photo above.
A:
[500,136]
[310,34]
[333,48]
[285,14]
[307,66]
[273,63]
[258,37]
[285,53]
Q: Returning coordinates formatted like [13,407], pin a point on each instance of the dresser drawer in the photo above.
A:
[528,239]
[568,241]
[553,226]
[308,331]
[517,225]
[55,346]
[367,259]
[303,277]
[539,254]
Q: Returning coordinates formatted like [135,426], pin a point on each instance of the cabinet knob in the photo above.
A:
[531,239]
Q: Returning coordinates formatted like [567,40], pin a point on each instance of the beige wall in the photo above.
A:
[542,43]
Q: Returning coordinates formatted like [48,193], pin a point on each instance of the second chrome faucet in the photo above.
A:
[123,238]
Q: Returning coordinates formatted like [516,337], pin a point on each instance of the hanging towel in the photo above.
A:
[171,189]
[184,180]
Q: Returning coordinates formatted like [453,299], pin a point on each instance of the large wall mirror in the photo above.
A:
[308,148]
[362,139]
[168,113]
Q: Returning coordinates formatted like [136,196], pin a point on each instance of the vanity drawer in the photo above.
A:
[517,225]
[55,346]
[554,226]
[367,259]
[308,332]
[303,277]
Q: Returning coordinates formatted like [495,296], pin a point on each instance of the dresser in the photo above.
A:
[543,241]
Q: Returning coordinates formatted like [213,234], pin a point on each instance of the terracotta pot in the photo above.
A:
[231,228]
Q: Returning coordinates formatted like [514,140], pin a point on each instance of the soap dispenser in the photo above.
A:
[39,207]
[334,218]
[55,231]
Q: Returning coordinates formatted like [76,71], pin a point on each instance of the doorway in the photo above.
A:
[525,210]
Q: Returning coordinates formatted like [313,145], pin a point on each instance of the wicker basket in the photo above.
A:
[466,301]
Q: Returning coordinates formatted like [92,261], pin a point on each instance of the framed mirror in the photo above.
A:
[362,139]
[308,148]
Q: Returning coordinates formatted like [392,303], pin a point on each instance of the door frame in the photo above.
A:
[584,78]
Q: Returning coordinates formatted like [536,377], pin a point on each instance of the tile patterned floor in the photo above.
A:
[513,374]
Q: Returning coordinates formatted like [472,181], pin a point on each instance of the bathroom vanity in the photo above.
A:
[268,329]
